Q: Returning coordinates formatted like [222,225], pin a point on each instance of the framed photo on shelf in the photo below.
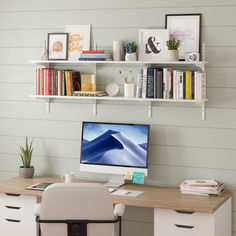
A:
[57,46]
[152,44]
[187,29]
[79,40]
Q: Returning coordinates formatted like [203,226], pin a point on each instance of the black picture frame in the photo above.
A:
[185,36]
[54,49]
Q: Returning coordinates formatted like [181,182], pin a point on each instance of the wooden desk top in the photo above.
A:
[153,196]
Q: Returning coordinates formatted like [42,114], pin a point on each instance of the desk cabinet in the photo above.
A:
[187,223]
[16,214]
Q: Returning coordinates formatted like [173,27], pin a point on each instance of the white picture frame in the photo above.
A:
[57,46]
[79,40]
[152,44]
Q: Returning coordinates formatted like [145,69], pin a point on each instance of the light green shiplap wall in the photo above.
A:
[182,145]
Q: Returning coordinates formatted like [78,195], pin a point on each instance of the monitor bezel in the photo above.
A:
[112,123]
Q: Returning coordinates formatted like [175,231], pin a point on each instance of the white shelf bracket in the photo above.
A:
[150,109]
[48,105]
[95,107]
[203,111]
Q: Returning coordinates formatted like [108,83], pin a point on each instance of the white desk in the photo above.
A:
[174,213]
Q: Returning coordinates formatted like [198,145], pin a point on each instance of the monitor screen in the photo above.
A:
[114,144]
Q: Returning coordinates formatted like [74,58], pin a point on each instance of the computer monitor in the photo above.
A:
[114,148]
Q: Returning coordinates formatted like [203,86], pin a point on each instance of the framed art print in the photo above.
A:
[152,44]
[187,29]
[57,46]
[79,40]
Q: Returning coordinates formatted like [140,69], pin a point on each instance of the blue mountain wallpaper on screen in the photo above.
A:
[114,144]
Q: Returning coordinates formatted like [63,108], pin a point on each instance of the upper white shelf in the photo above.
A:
[119,63]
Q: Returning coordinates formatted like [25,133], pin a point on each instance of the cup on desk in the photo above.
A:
[69,177]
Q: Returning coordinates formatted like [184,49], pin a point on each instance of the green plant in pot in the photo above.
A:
[130,51]
[173,46]
[26,170]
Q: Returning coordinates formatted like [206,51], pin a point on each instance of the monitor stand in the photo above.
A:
[115,181]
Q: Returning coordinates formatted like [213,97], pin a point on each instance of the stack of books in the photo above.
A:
[94,56]
[208,187]
[167,83]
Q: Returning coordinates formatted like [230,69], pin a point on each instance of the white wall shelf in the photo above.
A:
[50,63]
[199,64]
[148,101]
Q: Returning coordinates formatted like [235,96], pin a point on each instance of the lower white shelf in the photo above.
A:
[147,101]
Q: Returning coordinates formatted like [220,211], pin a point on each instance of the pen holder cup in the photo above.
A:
[128,90]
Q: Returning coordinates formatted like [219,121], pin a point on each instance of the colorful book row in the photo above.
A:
[57,82]
[167,83]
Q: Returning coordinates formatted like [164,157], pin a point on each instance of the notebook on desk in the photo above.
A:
[39,186]
[127,193]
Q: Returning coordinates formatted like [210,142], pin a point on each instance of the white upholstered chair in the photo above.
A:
[77,209]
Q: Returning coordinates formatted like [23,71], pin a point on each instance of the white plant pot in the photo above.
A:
[131,56]
[173,55]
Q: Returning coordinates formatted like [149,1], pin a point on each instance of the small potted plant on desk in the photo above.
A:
[26,171]
[173,46]
[130,51]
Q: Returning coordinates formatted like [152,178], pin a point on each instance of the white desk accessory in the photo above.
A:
[127,193]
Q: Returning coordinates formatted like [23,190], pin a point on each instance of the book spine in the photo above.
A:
[66,80]
[165,83]
[71,85]
[190,85]
[93,52]
[196,85]
[193,85]
[159,88]
[203,85]
[150,83]
[155,83]
[170,84]
[37,81]
[63,84]
[92,56]
[144,87]
[175,85]
[52,82]
[59,83]
[92,59]
[178,84]
[47,81]
[139,84]
[55,83]
[44,82]
[187,91]
[41,81]
[184,85]
[181,85]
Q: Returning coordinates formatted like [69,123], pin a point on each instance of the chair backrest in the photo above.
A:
[76,201]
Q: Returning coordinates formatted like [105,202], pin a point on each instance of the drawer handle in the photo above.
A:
[184,226]
[13,194]
[11,220]
[13,207]
[185,212]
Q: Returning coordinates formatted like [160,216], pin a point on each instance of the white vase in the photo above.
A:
[173,55]
[131,56]
[44,54]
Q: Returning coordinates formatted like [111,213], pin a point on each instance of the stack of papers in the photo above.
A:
[204,187]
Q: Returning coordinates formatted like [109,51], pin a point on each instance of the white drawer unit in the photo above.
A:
[16,214]
[187,223]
